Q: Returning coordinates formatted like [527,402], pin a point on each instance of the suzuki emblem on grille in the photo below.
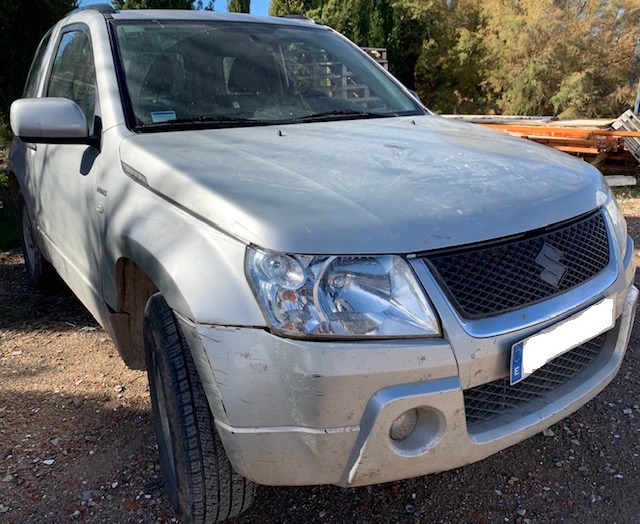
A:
[549,258]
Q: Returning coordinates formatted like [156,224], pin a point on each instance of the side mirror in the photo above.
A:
[49,121]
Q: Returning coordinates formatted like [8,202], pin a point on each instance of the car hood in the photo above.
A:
[397,185]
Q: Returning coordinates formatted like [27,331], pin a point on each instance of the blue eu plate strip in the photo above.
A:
[516,362]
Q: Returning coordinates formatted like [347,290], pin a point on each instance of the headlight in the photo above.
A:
[340,296]
[617,220]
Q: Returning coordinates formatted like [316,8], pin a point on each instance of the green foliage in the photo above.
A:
[565,57]
[447,68]
[238,6]
[22,25]
[164,4]
[368,23]
[625,192]
[8,218]
[292,7]
[153,4]
[8,229]
[5,133]
[350,18]
[200,5]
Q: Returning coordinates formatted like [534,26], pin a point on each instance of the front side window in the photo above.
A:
[35,72]
[73,75]
[221,74]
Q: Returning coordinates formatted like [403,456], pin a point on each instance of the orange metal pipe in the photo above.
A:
[568,132]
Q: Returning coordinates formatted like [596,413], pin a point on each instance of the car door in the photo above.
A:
[24,153]
[64,175]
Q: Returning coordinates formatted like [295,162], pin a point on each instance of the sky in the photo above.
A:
[258,7]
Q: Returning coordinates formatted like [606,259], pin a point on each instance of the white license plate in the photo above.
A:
[534,352]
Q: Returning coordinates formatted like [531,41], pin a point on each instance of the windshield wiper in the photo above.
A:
[340,114]
[203,120]
[217,121]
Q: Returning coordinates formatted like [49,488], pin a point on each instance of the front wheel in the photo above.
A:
[200,482]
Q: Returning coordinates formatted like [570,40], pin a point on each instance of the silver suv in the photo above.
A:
[327,283]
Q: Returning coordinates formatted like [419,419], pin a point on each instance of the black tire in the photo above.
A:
[200,482]
[39,270]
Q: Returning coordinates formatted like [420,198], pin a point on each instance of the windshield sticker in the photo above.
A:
[162,116]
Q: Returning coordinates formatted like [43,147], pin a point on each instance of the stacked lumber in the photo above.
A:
[611,145]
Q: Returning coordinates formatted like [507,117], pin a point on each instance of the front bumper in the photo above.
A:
[300,413]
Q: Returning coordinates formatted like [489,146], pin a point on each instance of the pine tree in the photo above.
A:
[22,25]
[238,6]
[153,4]
[294,7]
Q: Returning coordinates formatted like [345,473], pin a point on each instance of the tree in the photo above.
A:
[238,6]
[22,25]
[289,7]
[153,4]
[366,22]
[596,84]
[416,36]
[308,8]
[199,5]
[399,25]
[565,57]
[448,72]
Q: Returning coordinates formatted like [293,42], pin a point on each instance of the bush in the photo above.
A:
[5,136]
[8,216]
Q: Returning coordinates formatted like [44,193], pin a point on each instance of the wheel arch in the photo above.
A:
[134,288]
[198,270]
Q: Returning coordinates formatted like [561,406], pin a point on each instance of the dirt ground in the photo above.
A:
[77,443]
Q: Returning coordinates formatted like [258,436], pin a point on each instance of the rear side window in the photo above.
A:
[73,75]
[35,73]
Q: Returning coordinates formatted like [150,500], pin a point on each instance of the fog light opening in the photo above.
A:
[416,431]
[404,425]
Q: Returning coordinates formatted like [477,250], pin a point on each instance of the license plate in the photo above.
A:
[535,351]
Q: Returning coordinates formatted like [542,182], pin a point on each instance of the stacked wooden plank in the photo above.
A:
[611,145]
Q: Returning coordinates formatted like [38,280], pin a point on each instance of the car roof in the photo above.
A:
[192,15]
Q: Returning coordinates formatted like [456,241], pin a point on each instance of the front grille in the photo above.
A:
[496,398]
[492,279]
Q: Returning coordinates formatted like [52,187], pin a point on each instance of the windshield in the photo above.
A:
[219,74]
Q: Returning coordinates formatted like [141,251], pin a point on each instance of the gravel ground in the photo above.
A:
[77,444]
